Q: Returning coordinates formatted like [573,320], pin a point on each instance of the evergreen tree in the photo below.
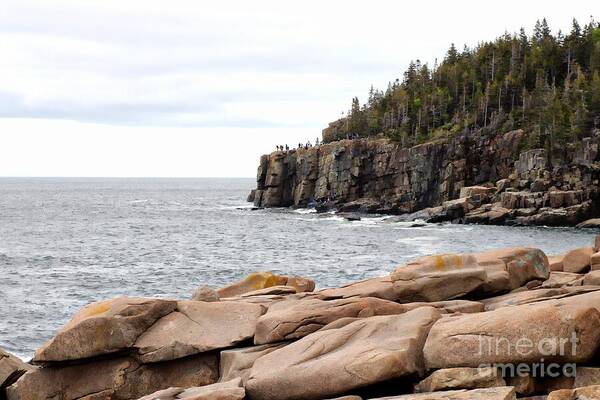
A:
[545,84]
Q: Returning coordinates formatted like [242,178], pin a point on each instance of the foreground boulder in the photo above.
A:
[11,368]
[104,327]
[196,327]
[559,279]
[498,393]
[461,378]
[510,268]
[115,379]
[263,280]
[436,278]
[536,296]
[493,337]
[334,361]
[451,276]
[380,287]
[578,260]
[296,319]
[236,363]
[205,293]
[583,393]
[230,390]
[587,376]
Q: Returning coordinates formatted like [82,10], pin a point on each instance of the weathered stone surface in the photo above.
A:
[587,376]
[296,319]
[11,368]
[335,361]
[436,278]
[470,340]
[597,243]
[300,284]
[399,180]
[470,191]
[104,327]
[583,393]
[489,214]
[236,363]
[380,287]
[447,178]
[595,261]
[556,263]
[498,393]
[460,378]
[535,296]
[524,385]
[263,280]
[578,260]
[450,306]
[592,278]
[273,290]
[559,279]
[230,390]
[510,268]
[114,379]
[205,293]
[197,327]
[590,223]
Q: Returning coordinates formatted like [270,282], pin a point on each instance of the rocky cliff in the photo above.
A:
[477,178]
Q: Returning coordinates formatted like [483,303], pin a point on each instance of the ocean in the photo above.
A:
[67,242]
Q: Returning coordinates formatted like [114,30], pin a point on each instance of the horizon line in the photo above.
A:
[123,177]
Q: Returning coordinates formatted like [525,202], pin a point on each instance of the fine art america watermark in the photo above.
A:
[552,348]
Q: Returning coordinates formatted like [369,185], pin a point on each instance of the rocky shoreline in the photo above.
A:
[496,325]
[480,178]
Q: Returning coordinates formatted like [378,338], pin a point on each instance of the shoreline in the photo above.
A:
[484,179]
[269,336]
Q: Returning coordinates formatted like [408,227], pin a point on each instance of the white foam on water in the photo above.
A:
[305,211]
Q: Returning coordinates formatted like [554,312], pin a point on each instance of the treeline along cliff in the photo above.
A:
[507,132]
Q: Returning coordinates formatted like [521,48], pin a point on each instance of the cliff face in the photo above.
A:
[380,176]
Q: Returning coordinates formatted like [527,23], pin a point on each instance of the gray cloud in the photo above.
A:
[231,64]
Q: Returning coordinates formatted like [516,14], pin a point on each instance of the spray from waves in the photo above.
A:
[305,211]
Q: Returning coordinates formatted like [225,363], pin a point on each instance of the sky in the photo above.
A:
[132,88]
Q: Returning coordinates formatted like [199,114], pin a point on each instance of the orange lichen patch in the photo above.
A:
[92,310]
[262,280]
[443,261]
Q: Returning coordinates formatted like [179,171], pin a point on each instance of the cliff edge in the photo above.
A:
[476,178]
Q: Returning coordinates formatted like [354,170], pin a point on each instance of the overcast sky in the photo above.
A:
[202,88]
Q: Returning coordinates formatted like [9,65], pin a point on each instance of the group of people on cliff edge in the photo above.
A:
[305,146]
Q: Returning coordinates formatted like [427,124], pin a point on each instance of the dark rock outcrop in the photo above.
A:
[476,178]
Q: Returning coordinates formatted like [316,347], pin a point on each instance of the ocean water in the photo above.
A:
[67,242]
